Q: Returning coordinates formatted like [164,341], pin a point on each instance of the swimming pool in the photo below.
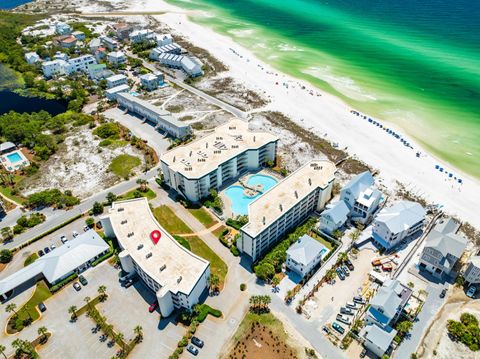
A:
[14,157]
[237,197]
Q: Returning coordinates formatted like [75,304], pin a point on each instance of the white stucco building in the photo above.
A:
[55,68]
[395,223]
[285,206]
[162,119]
[177,276]
[150,81]
[81,63]
[216,159]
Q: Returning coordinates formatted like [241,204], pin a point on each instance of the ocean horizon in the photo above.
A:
[414,64]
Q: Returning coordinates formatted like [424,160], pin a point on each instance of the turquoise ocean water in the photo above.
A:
[414,63]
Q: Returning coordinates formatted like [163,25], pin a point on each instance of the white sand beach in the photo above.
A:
[330,118]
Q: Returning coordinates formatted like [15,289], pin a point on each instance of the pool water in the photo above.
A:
[14,157]
[239,201]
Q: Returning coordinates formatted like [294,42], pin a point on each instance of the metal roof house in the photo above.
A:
[443,248]
[7,147]
[378,340]
[361,197]
[395,223]
[388,303]
[334,217]
[305,254]
[74,256]
[472,273]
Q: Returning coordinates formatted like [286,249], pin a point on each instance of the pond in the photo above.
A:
[10,101]
[11,4]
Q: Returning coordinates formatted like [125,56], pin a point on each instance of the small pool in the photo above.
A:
[133,93]
[14,157]
[323,252]
[236,194]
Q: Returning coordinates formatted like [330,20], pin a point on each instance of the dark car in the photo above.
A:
[363,353]
[192,349]
[99,225]
[359,299]
[443,293]
[338,327]
[46,250]
[340,274]
[42,307]
[77,286]
[83,280]
[153,306]
[40,253]
[349,264]
[128,283]
[198,342]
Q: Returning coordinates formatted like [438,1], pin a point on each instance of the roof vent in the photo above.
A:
[281,207]
[149,254]
[179,279]
[263,220]
[121,209]
[162,268]
[140,246]
[206,145]
[296,194]
[190,153]
[310,181]
[254,138]
[174,157]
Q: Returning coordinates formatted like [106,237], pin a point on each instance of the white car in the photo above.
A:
[471,291]
[63,238]
[74,234]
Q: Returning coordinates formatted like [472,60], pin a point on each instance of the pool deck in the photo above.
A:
[227,203]
[14,166]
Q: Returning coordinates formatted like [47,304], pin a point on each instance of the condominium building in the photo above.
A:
[177,276]
[285,206]
[162,119]
[113,92]
[216,159]
[55,68]
[190,65]
[398,222]
[81,63]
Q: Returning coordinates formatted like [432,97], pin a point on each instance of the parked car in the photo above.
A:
[74,234]
[345,270]
[83,280]
[347,311]
[99,225]
[127,283]
[198,342]
[471,291]
[338,327]
[153,306]
[192,349]
[343,319]
[340,274]
[130,281]
[63,238]
[443,293]
[363,353]
[352,305]
[359,299]
[42,307]
[40,253]
[77,286]
[86,228]
[53,246]
[349,264]
[46,250]
[326,330]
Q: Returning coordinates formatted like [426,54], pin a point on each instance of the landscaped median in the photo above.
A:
[175,226]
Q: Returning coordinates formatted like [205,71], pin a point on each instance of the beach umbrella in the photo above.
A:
[437,167]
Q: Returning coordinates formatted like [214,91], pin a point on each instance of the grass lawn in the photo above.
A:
[7,192]
[41,293]
[182,241]
[169,220]
[122,165]
[30,259]
[219,231]
[326,243]
[130,195]
[203,216]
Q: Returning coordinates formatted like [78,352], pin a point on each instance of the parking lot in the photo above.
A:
[330,297]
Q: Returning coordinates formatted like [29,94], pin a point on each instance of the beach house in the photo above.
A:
[62,28]
[398,222]
[116,58]
[304,255]
[122,30]
[472,273]
[109,43]
[65,41]
[164,39]
[116,80]
[443,248]
[142,35]
[334,217]
[377,340]
[81,63]
[150,82]
[79,35]
[361,197]
[32,58]
[55,68]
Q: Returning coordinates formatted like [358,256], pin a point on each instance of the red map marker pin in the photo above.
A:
[155,236]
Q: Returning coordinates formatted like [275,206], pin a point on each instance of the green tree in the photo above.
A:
[72,310]
[342,257]
[265,271]
[111,197]
[404,327]
[102,290]
[90,222]
[87,300]
[275,281]
[11,308]
[97,208]
[138,331]
[6,255]
[337,234]
[2,350]
[7,234]
[42,331]
[214,282]
[143,184]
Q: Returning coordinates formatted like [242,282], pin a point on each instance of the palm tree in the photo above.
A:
[138,330]
[102,291]
[143,184]
[275,281]
[2,350]
[73,311]
[214,282]
[108,329]
[42,331]
[342,257]
[26,308]
[119,339]
[11,308]
[87,300]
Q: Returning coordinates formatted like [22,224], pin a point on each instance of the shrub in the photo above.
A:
[63,283]
[5,256]
[243,286]
[105,143]
[107,130]
[97,208]
[234,250]
[183,342]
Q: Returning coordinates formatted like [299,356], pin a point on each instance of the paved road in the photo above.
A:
[430,308]
[223,105]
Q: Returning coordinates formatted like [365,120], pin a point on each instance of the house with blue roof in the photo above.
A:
[395,223]
[305,254]
[388,303]
[334,217]
[362,197]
